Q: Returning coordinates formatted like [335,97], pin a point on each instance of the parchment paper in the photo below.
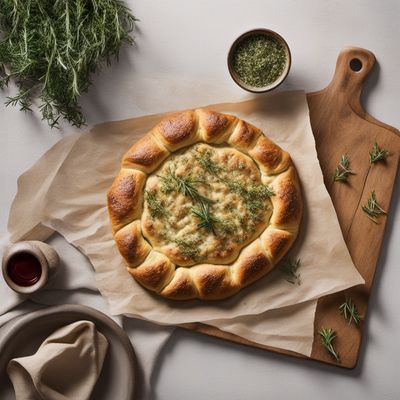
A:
[75,206]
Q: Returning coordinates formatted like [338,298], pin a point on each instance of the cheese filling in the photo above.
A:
[204,204]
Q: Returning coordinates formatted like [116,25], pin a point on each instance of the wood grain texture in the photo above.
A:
[340,125]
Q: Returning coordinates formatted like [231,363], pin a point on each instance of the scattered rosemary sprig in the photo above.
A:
[155,207]
[349,311]
[372,208]
[342,170]
[50,49]
[184,185]
[207,220]
[377,154]
[327,337]
[290,269]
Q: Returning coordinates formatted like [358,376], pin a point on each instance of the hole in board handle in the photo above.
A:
[355,64]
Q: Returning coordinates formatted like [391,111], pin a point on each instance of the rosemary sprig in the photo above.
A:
[377,154]
[350,312]
[372,208]
[327,337]
[184,185]
[343,170]
[50,49]
[155,207]
[207,220]
[290,269]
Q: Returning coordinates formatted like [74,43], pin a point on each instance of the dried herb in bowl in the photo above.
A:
[259,60]
[50,49]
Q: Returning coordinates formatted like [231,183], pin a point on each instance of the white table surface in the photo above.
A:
[186,40]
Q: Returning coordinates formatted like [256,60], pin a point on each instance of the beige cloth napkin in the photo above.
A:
[65,367]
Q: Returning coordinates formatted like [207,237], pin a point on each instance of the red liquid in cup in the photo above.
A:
[24,269]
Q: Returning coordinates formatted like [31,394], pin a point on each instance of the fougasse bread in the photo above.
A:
[204,205]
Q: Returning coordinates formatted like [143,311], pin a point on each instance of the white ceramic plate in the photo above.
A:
[117,379]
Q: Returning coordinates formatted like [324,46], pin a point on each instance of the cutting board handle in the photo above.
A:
[352,67]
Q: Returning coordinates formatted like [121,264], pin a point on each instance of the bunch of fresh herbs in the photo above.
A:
[51,48]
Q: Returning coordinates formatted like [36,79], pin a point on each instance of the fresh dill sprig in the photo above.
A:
[350,312]
[377,154]
[207,220]
[327,337]
[290,269]
[184,185]
[372,208]
[51,49]
[155,207]
[342,170]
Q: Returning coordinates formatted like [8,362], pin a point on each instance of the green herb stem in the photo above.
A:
[207,220]
[377,154]
[373,209]
[290,269]
[350,312]
[342,170]
[327,337]
[52,48]
[184,185]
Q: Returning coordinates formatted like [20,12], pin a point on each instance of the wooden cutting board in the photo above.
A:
[340,125]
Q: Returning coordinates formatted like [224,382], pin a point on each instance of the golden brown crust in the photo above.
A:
[277,242]
[131,244]
[124,198]
[178,130]
[287,201]
[181,287]
[251,265]
[244,137]
[270,158]
[155,270]
[213,281]
[146,154]
[215,127]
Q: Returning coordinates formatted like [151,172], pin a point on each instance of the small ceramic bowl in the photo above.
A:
[45,254]
[279,80]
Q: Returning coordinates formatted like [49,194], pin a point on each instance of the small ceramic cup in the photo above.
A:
[45,254]
[279,80]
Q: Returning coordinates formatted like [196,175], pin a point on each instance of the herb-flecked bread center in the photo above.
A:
[204,204]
